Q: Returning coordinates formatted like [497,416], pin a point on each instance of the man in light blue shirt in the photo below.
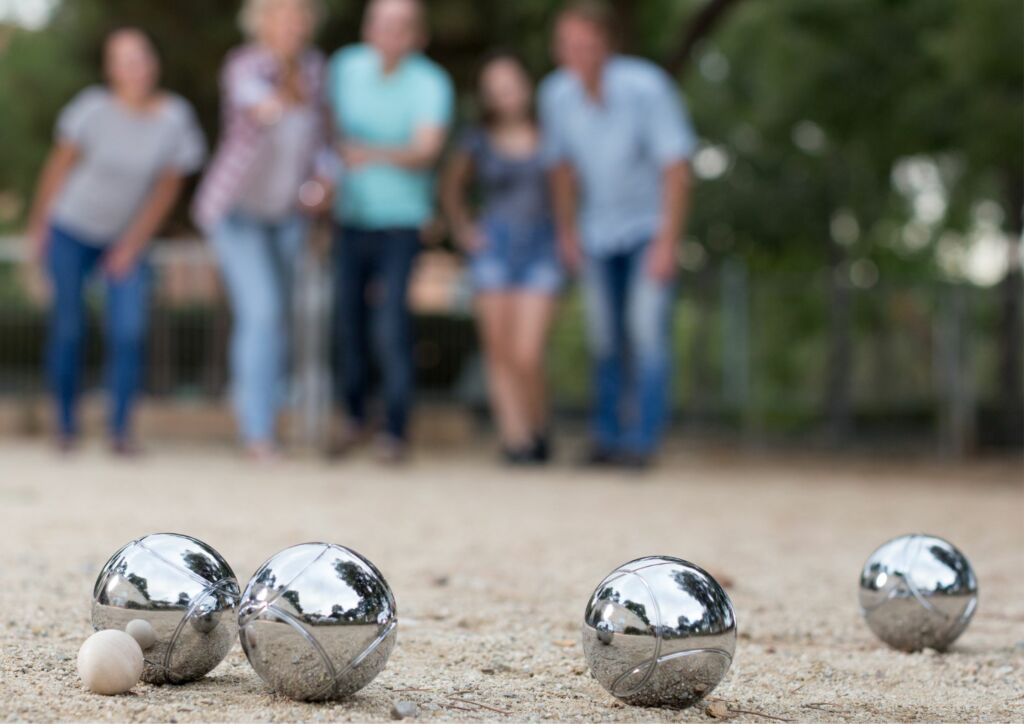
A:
[392,107]
[619,138]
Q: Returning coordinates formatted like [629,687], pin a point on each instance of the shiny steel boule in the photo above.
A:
[659,631]
[918,592]
[317,621]
[184,590]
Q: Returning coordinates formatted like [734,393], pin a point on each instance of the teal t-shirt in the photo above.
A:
[386,110]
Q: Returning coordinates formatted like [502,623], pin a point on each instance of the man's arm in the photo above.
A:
[147,222]
[421,153]
[564,192]
[675,205]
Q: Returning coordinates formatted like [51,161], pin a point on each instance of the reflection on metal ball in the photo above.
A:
[184,590]
[659,631]
[918,592]
[317,621]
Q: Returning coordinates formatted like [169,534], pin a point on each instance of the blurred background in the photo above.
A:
[852,270]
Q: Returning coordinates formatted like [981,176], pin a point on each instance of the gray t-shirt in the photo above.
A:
[123,153]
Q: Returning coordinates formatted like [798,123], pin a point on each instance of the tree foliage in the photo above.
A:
[812,102]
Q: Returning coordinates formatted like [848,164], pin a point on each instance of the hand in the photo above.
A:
[38,239]
[269,112]
[355,155]
[36,283]
[316,196]
[121,260]
[570,249]
[34,276]
[470,238]
[662,265]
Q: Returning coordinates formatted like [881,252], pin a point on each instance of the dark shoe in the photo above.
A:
[347,440]
[518,458]
[599,457]
[635,461]
[392,451]
[66,444]
[541,449]
[124,447]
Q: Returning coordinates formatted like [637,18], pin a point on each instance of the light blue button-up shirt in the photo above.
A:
[619,146]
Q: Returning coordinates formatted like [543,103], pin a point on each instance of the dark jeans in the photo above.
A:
[372,271]
[70,262]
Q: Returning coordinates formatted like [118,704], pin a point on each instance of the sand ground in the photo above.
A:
[492,569]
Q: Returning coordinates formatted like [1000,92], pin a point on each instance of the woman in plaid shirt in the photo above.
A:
[270,173]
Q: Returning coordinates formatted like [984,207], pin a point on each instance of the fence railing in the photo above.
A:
[754,354]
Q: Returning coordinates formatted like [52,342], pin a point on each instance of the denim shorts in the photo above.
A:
[517,257]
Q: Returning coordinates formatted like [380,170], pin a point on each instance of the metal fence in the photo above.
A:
[755,354]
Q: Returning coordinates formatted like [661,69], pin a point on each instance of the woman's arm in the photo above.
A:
[321,187]
[61,160]
[564,193]
[125,252]
[245,88]
[454,184]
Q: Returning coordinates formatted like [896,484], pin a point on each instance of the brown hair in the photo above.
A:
[488,119]
[597,13]
[113,32]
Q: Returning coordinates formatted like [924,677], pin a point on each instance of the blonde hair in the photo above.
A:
[252,10]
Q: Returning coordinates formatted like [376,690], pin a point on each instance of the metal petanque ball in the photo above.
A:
[184,590]
[317,621]
[659,631]
[918,592]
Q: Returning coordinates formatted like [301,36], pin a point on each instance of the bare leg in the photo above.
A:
[533,316]
[494,312]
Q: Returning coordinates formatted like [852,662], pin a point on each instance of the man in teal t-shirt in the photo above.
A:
[392,107]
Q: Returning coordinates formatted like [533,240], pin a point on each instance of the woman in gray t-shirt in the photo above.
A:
[122,153]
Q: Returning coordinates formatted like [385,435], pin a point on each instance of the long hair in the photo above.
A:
[488,118]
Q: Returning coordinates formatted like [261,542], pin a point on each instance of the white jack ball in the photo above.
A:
[142,631]
[110,662]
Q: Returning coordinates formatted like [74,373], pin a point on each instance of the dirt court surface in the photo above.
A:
[492,568]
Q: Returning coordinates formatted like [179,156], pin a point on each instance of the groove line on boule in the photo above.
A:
[657,642]
[310,639]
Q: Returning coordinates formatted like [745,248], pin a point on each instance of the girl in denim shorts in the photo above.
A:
[509,237]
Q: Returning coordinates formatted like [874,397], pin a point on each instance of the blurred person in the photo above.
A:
[619,139]
[122,153]
[271,171]
[514,264]
[392,107]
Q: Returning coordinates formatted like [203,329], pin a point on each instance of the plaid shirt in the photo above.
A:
[249,75]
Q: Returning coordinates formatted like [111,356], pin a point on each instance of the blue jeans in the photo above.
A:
[517,256]
[70,262]
[372,272]
[629,318]
[258,260]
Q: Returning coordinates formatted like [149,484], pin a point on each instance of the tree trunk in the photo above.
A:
[838,410]
[624,17]
[699,27]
